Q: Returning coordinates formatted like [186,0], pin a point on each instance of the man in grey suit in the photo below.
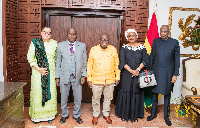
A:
[71,64]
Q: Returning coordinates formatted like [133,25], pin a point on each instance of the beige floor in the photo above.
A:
[86,115]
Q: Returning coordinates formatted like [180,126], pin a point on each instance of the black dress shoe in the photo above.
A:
[49,121]
[63,119]
[122,119]
[168,122]
[151,117]
[78,120]
[135,120]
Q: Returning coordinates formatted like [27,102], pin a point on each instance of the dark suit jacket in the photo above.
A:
[165,62]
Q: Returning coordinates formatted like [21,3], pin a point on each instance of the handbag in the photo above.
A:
[147,79]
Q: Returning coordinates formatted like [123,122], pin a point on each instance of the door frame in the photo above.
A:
[120,14]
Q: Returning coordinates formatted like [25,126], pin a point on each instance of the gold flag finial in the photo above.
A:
[155,5]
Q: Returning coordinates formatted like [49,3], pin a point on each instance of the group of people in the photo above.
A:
[65,64]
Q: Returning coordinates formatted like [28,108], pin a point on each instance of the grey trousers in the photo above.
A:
[77,92]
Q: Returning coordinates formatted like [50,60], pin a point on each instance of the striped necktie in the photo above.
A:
[71,48]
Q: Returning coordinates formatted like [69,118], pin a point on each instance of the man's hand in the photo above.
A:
[174,78]
[57,81]
[90,84]
[117,82]
[83,80]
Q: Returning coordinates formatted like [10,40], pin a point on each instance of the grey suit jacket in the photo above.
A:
[62,61]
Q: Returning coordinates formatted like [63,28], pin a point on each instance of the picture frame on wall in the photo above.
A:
[184,26]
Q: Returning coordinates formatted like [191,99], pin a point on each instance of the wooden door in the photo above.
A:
[89,30]
[59,26]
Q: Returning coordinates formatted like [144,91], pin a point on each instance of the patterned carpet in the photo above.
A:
[86,115]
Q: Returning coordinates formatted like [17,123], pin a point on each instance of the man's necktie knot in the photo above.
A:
[71,45]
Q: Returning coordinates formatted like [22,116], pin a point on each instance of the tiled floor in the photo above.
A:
[86,115]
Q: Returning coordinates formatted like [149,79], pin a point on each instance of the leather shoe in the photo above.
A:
[63,119]
[135,120]
[168,122]
[78,120]
[151,117]
[108,120]
[94,120]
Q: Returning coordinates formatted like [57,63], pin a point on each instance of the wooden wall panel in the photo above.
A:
[22,21]
[10,41]
[137,17]
[29,21]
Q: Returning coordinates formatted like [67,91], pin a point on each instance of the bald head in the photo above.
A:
[71,35]
[104,38]
[70,30]
[165,26]
[164,32]
[104,34]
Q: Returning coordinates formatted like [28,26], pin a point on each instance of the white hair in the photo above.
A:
[130,30]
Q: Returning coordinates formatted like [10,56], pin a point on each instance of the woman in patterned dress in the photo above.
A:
[132,58]
[43,96]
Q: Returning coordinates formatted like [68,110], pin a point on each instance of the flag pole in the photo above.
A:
[155,5]
[151,35]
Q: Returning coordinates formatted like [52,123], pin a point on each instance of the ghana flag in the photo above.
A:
[151,35]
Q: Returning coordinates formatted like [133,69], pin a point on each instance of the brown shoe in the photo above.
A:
[94,120]
[108,120]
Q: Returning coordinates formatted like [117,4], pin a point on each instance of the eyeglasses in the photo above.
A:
[132,36]
[49,33]
[104,40]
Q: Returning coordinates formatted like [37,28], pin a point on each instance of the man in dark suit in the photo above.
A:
[71,64]
[165,63]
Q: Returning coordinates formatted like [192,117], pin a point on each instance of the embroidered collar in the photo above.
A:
[133,48]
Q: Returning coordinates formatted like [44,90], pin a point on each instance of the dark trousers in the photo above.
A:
[166,105]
